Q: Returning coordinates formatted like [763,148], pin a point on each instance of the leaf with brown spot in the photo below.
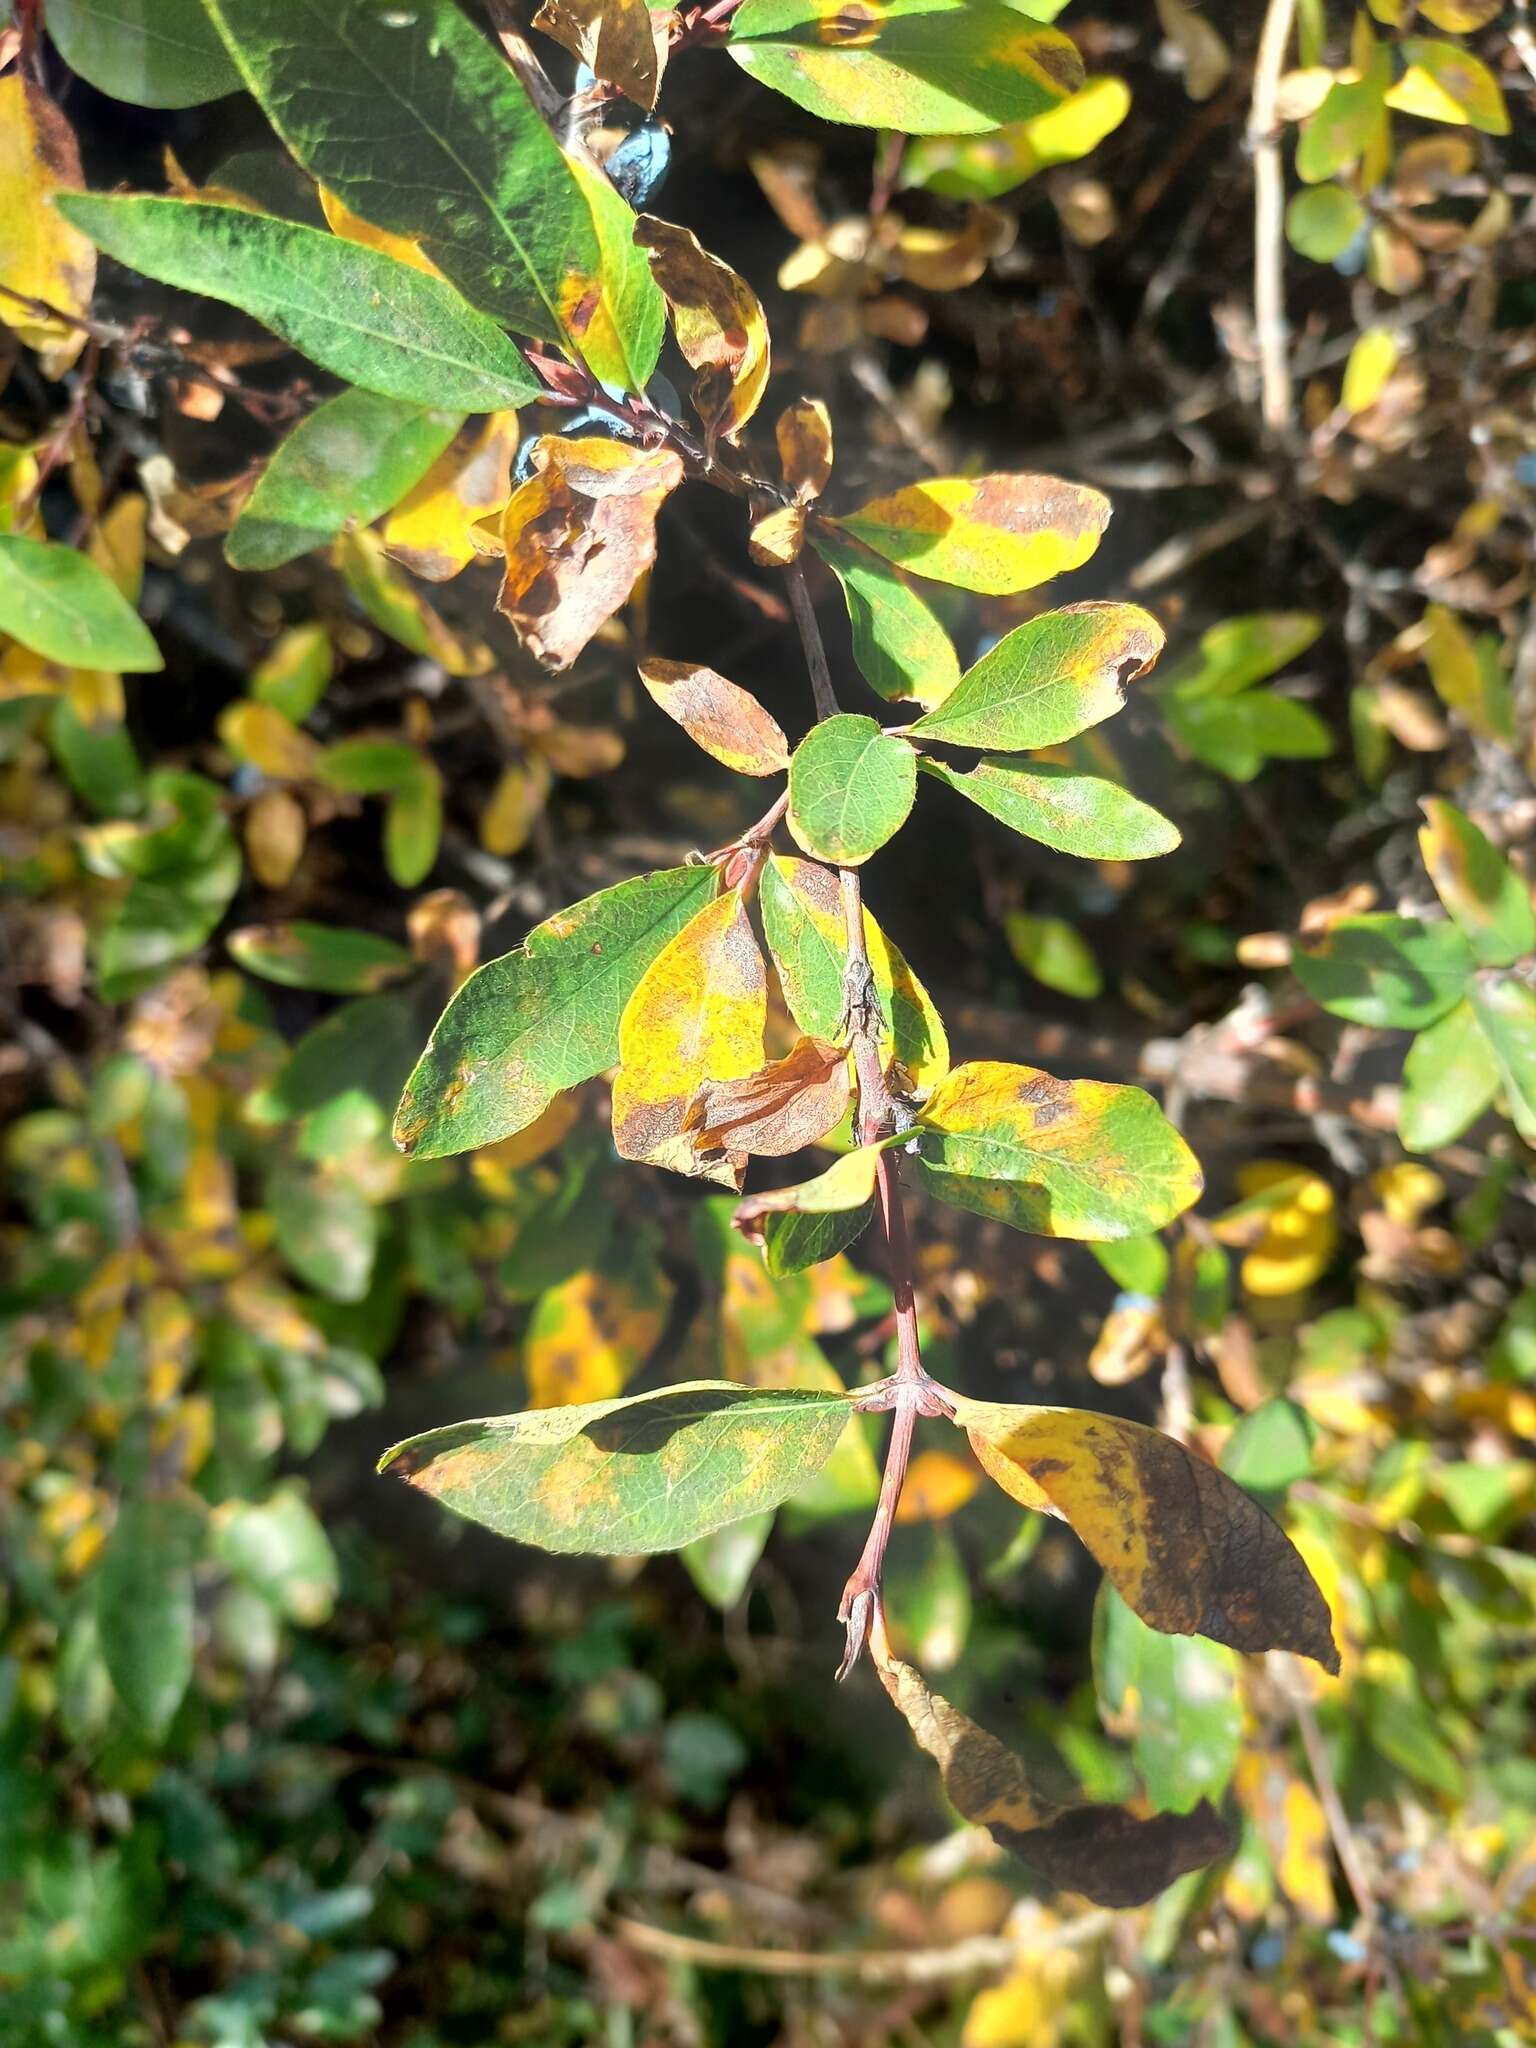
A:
[41,255]
[721,717]
[718,322]
[1182,1544]
[697,1015]
[784,1106]
[993,534]
[1108,1854]
[613,38]
[578,536]
[804,435]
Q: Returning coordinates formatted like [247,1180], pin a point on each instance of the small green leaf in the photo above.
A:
[544,1018]
[924,67]
[1176,1697]
[326,1230]
[1489,903]
[279,1547]
[56,601]
[1323,221]
[1083,1159]
[800,1226]
[1236,653]
[1506,1009]
[901,649]
[151,53]
[358,313]
[721,1564]
[1237,735]
[1140,1265]
[1054,952]
[354,457]
[628,1477]
[320,956]
[413,825]
[1449,1078]
[1270,1447]
[294,676]
[1393,973]
[1047,680]
[1081,814]
[850,788]
[97,761]
[144,1611]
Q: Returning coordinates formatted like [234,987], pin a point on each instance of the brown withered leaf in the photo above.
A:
[718,322]
[578,536]
[777,537]
[784,1106]
[615,39]
[1107,1853]
[721,717]
[804,435]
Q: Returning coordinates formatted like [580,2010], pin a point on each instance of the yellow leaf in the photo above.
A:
[400,610]
[719,716]
[117,543]
[718,322]
[1286,1221]
[353,228]
[517,801]
[276,829]
[938,1485]
[95,697]
[41,255]
[428,532]
[590,1335]
[1294,1828]
[993,534]
[697,1015]
[496,1166]
[1371,362]
[777,537]
[1457,670]
[1443,82]
[804,437]
[1407,1190]
[259,734]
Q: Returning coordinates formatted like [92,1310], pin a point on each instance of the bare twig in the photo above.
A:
[1269,217]
[981,1955]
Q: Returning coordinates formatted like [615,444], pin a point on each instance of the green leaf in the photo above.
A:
[354,457]
[351,1066]
[144,1612]
[1449,1078]
[419,125]
[1081,814]
[97,761]
[1237,735]
[152,53]
[1393,973]
[294,676]
[925,67]
[1238,652]
[800,1226]
[56,601]
[621,339]
[850,788]
[1323,221]
[1054,952]
[1506,1009]
[628,1477]
[356,312]
[544,1018]
[1489,903]
[1175,1697]
[320,956]
[721,1564]
[413,825]
[279,1547]
[1047,680]
[1270,1447]
[803,924]
[901,649]
[795,1243]
[326,1230]
[1139,1265]
[1083,1159]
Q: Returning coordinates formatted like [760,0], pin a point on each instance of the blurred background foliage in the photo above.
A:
[284,1757]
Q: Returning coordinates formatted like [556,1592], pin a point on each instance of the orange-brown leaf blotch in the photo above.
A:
[788,1104]
[721,717]
[615,39]
[718,322]
[578,536]
[804,435]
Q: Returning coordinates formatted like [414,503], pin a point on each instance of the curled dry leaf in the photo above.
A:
[697,1015]
[578,536]
[721,717]
[777,537]
[1105,1852]
[804,435]
[788,1104]
[718,322]
[615,39]
[1181,1543]
[430,531]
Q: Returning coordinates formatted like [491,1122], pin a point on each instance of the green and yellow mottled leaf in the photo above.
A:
[719,716]
[924,67]
[1081,1159]
[398,608]
[1393,973]
[1445,82]
[430,531]
[628,1477]
[544,1018]
[1047,680]
[589,1335]
[981,167]
[697,1014]
[993,534]
[803,924]
[1506,1010]
[1489,903]
[615,314]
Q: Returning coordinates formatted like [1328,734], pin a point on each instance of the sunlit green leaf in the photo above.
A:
[850,788]
[56,601]
[1081,814]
